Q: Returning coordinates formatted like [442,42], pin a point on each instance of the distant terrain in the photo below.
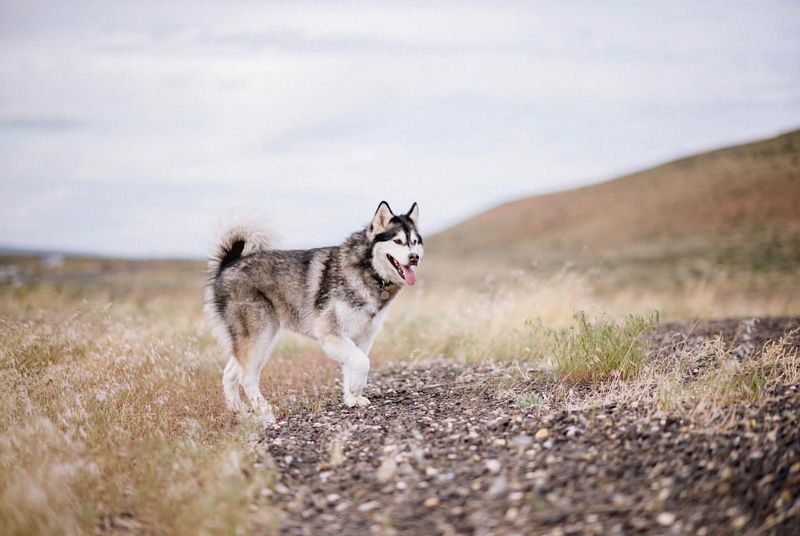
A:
[751,188]
[734,209]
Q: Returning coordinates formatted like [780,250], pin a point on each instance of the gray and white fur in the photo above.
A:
[336,295]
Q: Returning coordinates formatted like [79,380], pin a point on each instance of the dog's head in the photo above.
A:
[396,244]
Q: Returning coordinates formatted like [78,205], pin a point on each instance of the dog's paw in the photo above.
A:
[235,406]
[262,416]
[266,419]
[355,401]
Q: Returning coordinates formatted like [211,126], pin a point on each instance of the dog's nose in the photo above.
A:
[413,259]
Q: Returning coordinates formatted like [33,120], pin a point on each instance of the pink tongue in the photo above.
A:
[409,274]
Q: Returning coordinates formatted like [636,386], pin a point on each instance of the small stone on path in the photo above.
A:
[665,519]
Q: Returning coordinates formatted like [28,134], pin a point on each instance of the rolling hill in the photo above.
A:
[719,197]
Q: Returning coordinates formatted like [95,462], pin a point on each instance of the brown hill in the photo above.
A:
[730,192]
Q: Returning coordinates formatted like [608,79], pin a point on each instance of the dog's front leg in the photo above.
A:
[355,368]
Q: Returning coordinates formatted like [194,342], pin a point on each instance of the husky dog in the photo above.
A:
[336,295]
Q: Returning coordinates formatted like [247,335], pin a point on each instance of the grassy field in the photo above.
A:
[113,418]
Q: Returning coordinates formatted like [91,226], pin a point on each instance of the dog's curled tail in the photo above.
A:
[237,241]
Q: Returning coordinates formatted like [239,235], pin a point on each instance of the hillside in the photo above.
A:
[745,190]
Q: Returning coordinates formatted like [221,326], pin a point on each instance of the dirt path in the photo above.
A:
[439,452]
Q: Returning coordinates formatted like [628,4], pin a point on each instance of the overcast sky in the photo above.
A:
[131,127]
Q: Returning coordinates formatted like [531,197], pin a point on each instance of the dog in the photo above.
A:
[336,295]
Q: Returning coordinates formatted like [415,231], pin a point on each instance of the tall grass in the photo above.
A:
[595,350]
[110,421]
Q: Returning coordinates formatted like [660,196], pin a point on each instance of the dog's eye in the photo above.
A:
[398,241]
[413,242]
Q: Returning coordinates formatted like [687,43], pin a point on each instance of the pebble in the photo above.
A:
[498,487]
[515,496]
[620,500]
[493,466]
[543,433]
[367,506]
[337,452]
[522,441]
[665,519]
[386,470]
[431,502]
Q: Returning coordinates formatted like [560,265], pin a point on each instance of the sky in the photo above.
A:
[138,128]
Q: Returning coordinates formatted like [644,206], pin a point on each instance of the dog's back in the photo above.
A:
[280,286]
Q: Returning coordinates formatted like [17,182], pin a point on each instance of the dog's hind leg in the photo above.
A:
[256,355]
[231,378]
[253,331]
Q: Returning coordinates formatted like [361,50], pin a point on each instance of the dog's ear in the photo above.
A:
[413,214]
[381,219]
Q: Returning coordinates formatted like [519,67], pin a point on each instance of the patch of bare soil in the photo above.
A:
[439,452]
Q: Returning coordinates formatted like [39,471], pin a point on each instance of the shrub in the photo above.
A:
[595,350]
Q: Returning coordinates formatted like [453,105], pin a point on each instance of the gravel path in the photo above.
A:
[439,452]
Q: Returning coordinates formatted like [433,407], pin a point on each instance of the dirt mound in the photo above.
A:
[440,451]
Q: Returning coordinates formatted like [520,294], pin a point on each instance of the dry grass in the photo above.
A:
[113,419]
[508,317]
[725,377]
[708,383]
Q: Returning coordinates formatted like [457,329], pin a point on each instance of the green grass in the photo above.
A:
[595,350]
[530,400]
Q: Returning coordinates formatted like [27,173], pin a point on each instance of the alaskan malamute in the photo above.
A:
[336,295]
